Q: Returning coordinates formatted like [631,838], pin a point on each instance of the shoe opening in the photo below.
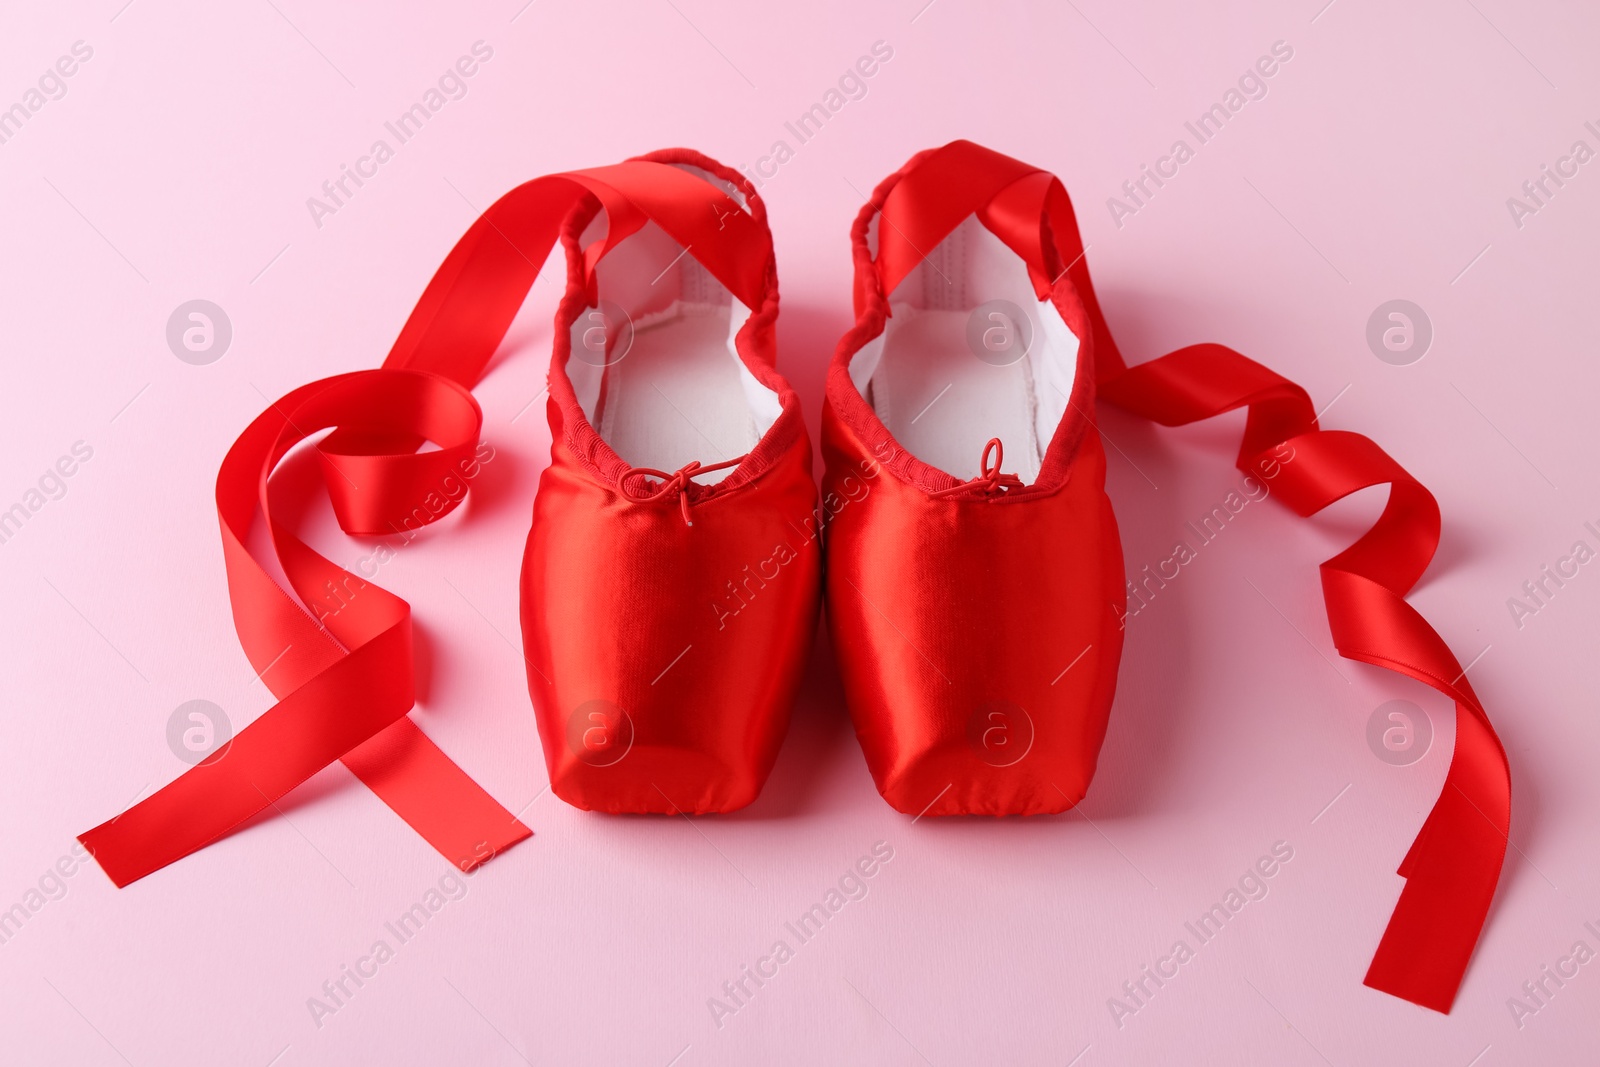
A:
[655,365]
[969,353]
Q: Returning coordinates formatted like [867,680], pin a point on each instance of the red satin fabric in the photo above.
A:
[663,657]
[339,657]
[666,623]
[955,608]
[343,676]
[905,722]
[954,619]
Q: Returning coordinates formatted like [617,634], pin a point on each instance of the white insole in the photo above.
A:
[676,396]
[943,404]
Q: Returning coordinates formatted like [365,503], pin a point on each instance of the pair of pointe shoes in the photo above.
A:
[680,550]
[962,538]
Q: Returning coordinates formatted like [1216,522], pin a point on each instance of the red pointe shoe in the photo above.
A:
[975,579]
[671,581]
[974,571]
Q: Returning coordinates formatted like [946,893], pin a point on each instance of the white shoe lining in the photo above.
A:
[924,376]
[677,391]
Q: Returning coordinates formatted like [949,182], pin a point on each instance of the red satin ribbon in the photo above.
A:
[1453,866]
[343,678]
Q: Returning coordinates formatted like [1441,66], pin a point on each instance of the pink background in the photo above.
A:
[177,166]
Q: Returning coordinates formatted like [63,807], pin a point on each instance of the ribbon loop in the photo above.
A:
[676,482]
[378,487]
[990,480]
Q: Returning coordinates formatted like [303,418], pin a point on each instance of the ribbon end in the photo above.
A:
[485,851]
[1411,988]
[121,875]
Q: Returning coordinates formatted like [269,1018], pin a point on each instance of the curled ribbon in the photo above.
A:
[343,678]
